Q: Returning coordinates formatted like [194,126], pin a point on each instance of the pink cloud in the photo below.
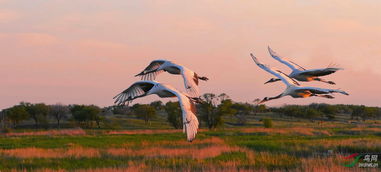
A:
[37,39]
[8,15]
[98,48]
[30,39]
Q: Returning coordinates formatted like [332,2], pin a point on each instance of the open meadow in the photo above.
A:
[190,86]
[291,145]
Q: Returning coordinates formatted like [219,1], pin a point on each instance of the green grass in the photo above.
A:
[229,156]
[97,141]
[65,163]
[237,149]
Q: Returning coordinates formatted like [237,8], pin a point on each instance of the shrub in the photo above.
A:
[268,123]
[174,114]
[144,111]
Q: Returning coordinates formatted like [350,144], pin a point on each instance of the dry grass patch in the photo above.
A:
[217,147]
[365,129]
[331,164]
[69,132]
[305,131]
[359,142]
[149,131]
[51,153]
[212,140]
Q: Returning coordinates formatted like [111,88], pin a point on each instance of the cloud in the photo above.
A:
[102,49]
[29,39]
[8,15]
[37,39]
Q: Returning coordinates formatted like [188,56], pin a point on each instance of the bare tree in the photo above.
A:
[59,112]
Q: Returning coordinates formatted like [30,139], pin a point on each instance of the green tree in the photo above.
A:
[241,112]
[121,110]
[158,105]
[98,119]
[225,107]
[86,115]
[312,113]
[38,112]
[357,111]
[93,113]
[328,110]
[145,112]
[210,113]
[78,113]
[174,114]
[291,110]
[261,108]
[344,108]
[378,113]
[370,112]
[16,114]
[2,119]
[223,96]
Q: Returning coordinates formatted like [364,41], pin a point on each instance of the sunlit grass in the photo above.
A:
[295,148]
[69,132]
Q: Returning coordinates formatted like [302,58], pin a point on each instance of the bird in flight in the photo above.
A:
[300,73]
[191,79]
[187,103]
[293,87]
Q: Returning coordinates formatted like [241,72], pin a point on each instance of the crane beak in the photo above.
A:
[262,101]
[268,81]
[145,72]
[197,100]
[141,73]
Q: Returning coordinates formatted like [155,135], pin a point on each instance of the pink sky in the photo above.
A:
[87,51]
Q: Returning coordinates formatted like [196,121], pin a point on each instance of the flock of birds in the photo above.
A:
[187,100]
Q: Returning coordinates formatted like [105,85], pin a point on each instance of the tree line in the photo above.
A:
[327,111]
[212,113]
[40,114]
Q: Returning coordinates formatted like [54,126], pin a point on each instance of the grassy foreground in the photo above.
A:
[286,148]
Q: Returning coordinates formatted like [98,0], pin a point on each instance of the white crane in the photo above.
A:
[190,78]
[293,87]
[300,73]
[144,88]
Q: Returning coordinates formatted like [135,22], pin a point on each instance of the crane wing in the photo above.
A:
[190,121]
[284,60]
[150,72]
[320,72]
[317,90]
[190,81]
[136,90]
[279,74]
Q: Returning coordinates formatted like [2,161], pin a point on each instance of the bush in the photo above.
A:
[144,111]
[85,115]
[174,114]
[268,123]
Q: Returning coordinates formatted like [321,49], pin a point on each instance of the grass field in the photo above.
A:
[292,145]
